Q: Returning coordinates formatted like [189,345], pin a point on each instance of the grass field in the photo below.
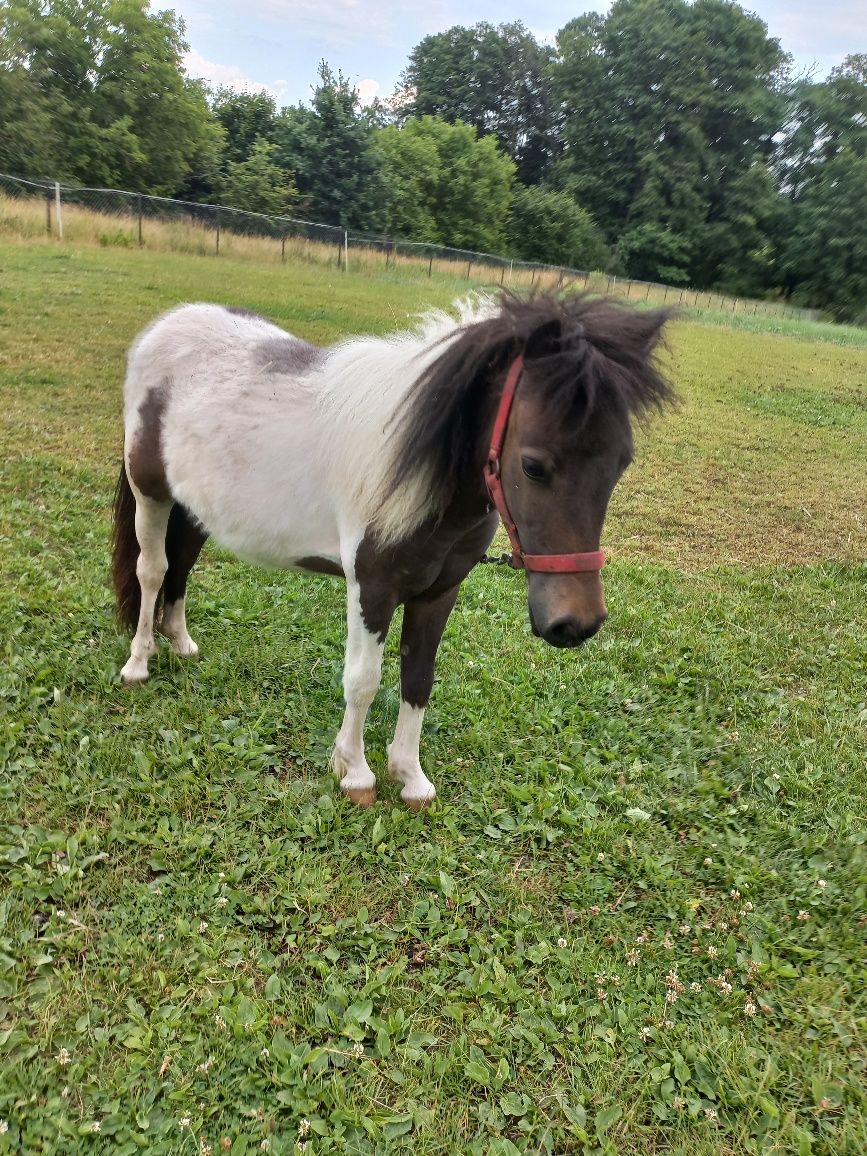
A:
[634,919]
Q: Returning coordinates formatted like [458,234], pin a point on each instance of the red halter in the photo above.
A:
[590,561]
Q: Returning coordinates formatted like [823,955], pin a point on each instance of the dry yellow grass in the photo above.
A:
[28,219]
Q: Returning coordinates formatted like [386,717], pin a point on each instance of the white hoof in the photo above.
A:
[418,791]
[417,802]
[358,784]
[184,647]
[134,672]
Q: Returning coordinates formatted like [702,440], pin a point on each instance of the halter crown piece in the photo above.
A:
[588,562]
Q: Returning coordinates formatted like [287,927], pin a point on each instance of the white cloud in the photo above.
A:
[229,76]
[367,90]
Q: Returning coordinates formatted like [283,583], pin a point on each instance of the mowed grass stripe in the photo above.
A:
[200,942]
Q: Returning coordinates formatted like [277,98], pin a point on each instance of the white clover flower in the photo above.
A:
[64,1057]
[184,1122]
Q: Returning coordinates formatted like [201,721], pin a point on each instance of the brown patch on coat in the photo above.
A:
[240,311]
[289,355]
[321,566]
[433,559]
[146,465]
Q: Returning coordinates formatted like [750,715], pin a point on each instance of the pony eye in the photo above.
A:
[533,469]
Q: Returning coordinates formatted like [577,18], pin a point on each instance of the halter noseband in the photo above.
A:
[588,562]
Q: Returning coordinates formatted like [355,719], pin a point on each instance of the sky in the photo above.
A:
[276,45]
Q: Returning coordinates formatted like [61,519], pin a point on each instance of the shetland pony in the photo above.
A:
[383,460]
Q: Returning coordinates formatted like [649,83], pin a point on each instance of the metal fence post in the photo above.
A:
[48,211]
[140,238]
[59,209]
[345,250]
[430,266]
[218,231]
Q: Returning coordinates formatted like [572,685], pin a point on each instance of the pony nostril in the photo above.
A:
[569,631]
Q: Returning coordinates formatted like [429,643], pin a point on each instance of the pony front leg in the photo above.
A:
[423,624]
[361,677]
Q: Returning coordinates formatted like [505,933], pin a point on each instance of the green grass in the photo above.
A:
[202,947]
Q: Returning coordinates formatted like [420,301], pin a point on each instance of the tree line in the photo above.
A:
[667,141]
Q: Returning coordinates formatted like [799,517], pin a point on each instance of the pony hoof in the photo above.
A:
[184,648]
[361,796]
[419,802]
[133,675]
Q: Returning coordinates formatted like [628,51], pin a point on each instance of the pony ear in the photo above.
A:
[544,340]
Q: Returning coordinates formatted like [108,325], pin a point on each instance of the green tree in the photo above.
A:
[412,170]
[329,150]
[548,226]
[494,79]
[666,105]
[29,138]
[460,198]
[823,170]
[109,74]
[257,184]
[246,117]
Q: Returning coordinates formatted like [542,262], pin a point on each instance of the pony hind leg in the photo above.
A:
[151,523]
[184,541]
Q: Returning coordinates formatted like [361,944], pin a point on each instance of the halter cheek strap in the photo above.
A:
[592,560]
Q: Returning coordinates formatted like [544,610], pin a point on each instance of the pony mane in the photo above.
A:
[583,353]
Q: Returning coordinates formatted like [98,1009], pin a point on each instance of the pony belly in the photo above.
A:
[267,528]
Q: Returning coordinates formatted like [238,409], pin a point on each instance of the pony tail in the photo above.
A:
[125,552]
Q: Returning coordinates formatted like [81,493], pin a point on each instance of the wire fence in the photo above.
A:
[119,218]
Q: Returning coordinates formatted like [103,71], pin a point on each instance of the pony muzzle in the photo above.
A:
[566,610]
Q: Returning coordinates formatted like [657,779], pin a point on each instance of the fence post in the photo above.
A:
[511,265]
[218,230]
[283,249]
[140,238]
[430,266]
[469,266]
[345,250]
[59,209]
[48,211]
